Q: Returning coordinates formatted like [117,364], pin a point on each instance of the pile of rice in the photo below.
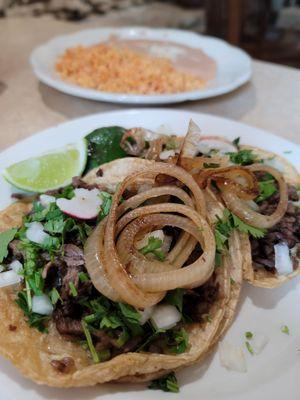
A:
[121,70]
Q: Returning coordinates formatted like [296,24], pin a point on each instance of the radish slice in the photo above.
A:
[232,357]
[42,305]
[283,261]
[35,232]
[159,234]
[165,316]
[164,155]
[45,200]
[145,315]
[16,266]
[84,205]
[259,342]
[222,146]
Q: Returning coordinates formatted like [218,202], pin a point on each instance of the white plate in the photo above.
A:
[273,374]
[233,64]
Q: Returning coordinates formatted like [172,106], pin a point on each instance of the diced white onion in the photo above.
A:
[283,261]
[164,155]
[259,342]
[165,316]
[274,163]
[8,278]
[16,266]
[296,203]
[45,200]
[35,232]
[84,205]
[159,234]
[232,357]
[42,305]
[146,314]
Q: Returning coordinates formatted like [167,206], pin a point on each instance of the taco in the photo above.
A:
[260,192]
[114,277]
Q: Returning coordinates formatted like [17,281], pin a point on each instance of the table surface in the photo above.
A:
[270,101]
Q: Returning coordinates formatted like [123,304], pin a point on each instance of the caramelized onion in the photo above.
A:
[246,213]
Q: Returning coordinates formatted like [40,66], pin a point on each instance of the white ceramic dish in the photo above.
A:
[233,64]
[273,374]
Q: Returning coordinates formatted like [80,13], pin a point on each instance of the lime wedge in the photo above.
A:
[49,171]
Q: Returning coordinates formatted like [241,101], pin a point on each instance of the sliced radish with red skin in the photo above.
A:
[208,143]
[84,205]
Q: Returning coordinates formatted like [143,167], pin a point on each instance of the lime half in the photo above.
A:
[49,171]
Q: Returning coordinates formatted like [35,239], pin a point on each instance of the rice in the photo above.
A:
[121,70]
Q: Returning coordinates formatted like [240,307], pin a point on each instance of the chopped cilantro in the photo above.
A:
[225,226]
[73,289]
[5,238]
[257,233]
[236,142]
[90,344]
[167,383]
[243,157]
[34,320]
[130,313]
[154,247]
[266,190]
[249,335]
[105,206]
[175,298]
[83,277]
[111,321]
[123,338]
[54,296]
[178,341]
[55,225]
[249,347]
[285,329]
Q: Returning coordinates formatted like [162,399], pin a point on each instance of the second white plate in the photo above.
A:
[233,64]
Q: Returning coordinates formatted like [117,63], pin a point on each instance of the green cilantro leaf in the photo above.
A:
[167,383]
[54,296]
[73,289]
[55,225]
[266,190]
[130,313]
[249,348]
[236,142]
[83,277]
[111,321]
[249,335]
[178,341]
[105,206]
[243,157]
[285,329]
[34,320]
[154,247]
[5,238]
[90,344]
[257,233]
[175,298]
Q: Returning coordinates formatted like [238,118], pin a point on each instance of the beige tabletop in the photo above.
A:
[270,101]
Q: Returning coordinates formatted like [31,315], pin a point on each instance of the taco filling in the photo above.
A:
[135,269]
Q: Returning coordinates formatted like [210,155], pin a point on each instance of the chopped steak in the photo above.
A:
[287,230]
[197,302]
[73,255]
